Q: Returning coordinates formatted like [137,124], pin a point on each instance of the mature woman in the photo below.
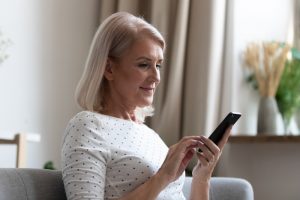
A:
[108,153]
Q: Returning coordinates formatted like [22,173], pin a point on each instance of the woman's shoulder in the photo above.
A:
[84,121]
[108,122]
[98,119]
[85,125]
[86,116]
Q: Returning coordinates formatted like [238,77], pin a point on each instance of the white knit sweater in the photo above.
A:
[104,157]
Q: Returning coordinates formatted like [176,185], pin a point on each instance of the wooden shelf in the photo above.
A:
[264,139]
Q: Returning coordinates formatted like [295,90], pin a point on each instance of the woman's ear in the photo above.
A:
[108,72]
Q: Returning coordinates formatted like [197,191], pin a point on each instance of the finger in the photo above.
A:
[225,138]
[179,150]
[185,161]
[202,159]
[211,145]
[206,152]
[187,138]
[189,144]
[188,157]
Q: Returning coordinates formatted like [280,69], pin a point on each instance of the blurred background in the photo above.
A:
[43,49]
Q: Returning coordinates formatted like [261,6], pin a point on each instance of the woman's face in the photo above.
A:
[134,76]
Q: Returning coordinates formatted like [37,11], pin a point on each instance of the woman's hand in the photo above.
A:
[175,163]
[178,158]
[208,158]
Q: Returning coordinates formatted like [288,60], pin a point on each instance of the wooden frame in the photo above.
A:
[20,141]
[264,139]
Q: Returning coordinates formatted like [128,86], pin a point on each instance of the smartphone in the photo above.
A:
[218,133]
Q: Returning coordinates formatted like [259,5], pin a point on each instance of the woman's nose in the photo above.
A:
[155,74]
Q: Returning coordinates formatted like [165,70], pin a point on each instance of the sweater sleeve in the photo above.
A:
[84,158]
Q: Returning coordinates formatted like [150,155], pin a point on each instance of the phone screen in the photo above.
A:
[229,120]
[218,133]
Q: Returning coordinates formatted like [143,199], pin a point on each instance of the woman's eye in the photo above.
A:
[144,65]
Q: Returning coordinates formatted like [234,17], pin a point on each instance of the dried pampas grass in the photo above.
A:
[266,60]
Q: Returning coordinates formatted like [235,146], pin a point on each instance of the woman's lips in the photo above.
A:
[148,90]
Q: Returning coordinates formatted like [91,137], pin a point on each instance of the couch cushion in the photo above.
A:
[11,185]
[31,184]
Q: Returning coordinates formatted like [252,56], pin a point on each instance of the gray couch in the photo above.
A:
[38,184]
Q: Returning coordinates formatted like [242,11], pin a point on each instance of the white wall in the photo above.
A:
[254,20]
[272,169]
[51,39]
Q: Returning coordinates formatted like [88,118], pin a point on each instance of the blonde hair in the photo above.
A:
[116,34]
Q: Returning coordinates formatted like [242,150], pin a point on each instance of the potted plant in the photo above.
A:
[49,165]
[288,94]
[266,61]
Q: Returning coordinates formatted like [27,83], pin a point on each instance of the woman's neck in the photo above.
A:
[116,109]
[119,114]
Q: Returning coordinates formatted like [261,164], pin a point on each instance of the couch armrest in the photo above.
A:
[224,189]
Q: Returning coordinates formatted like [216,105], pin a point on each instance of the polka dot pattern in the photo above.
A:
[104,157]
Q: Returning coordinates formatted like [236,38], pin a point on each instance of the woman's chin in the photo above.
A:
[145,103]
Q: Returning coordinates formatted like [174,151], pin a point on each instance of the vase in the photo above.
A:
[297,116]
[291,126]
[270,121]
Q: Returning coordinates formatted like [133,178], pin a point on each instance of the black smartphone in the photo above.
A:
[218,133]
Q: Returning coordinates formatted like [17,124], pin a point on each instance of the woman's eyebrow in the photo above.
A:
[147,58]
[144,58]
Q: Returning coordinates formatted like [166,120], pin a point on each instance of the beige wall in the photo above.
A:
[272,168]
[37,82]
